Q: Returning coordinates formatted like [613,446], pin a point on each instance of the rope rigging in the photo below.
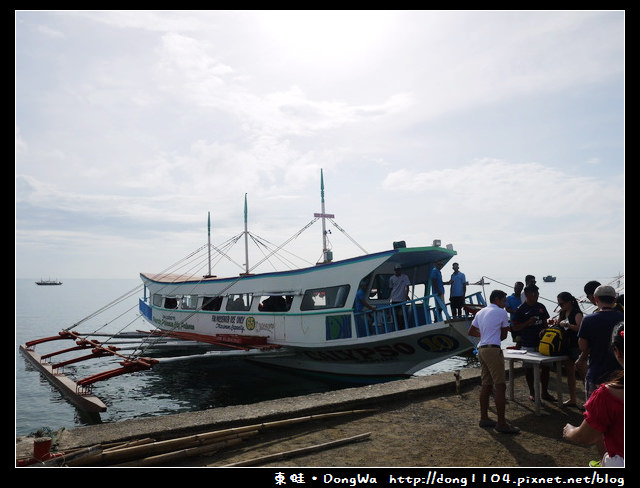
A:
[617,283]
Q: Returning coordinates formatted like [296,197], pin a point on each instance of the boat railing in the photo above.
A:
[405,315]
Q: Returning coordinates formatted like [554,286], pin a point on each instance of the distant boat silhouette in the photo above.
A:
[549,279]
[48,282]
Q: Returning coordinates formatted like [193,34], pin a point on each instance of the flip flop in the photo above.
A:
[507,429]
[570,404]
[487,423]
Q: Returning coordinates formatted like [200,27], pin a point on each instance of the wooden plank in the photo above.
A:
[297,452]
[66,386]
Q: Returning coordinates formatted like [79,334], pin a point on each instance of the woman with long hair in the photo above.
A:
[570,318]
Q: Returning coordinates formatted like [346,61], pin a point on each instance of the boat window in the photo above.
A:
[275,303]
[239,302]
[211,304]
[321,298]
[157,300]
[189,302]
[170,302]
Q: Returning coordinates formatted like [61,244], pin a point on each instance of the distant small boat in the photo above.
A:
[549,279]
[48,282]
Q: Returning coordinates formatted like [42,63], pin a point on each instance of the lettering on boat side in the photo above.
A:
[231,327]
[169,322]
[438,343]
[228,319]
[377,353]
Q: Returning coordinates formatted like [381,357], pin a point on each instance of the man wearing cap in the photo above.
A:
[458,291]
[399,285]
[589,290]
[594,339]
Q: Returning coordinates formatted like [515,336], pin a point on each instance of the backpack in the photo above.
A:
[552,342]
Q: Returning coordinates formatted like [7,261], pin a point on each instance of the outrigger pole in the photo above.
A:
[79,392]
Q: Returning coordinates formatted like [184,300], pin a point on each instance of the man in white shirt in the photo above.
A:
[399,285]
[491,324]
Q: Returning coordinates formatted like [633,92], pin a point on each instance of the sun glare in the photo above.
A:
[330,34]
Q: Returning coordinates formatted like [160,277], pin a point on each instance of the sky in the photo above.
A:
[500,132]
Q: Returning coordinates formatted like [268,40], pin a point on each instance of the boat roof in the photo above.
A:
[405,257]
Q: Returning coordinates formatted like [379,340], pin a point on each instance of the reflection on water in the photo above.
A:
[185,386]
[201,384]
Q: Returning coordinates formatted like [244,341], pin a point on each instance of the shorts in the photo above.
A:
[573,353]
[589,388]
[492,362]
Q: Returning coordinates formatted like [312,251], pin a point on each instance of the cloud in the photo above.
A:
[472,125]
[510,195]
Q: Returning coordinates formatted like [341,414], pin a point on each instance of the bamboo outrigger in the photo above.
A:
[80,392]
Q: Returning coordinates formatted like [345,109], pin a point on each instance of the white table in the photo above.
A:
[536,359]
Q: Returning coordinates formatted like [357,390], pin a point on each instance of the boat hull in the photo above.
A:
[397,355]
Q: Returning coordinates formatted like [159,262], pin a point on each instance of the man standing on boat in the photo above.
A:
[437,286]
[399,285]
[491,324]
[458,284]
[359,305]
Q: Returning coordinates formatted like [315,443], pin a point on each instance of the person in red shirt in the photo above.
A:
[604,412]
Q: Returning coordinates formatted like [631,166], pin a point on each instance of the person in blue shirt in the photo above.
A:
[458,291]
[513,302]
[437,286]
[359,305]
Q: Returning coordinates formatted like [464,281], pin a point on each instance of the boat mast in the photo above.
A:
[246,238]
[327,256]
[209,242]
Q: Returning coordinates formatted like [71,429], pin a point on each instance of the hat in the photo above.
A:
[397,266]
[605,291]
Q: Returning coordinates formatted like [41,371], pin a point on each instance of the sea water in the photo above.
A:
[174,387]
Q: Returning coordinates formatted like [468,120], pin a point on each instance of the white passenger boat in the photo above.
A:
[304,319]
